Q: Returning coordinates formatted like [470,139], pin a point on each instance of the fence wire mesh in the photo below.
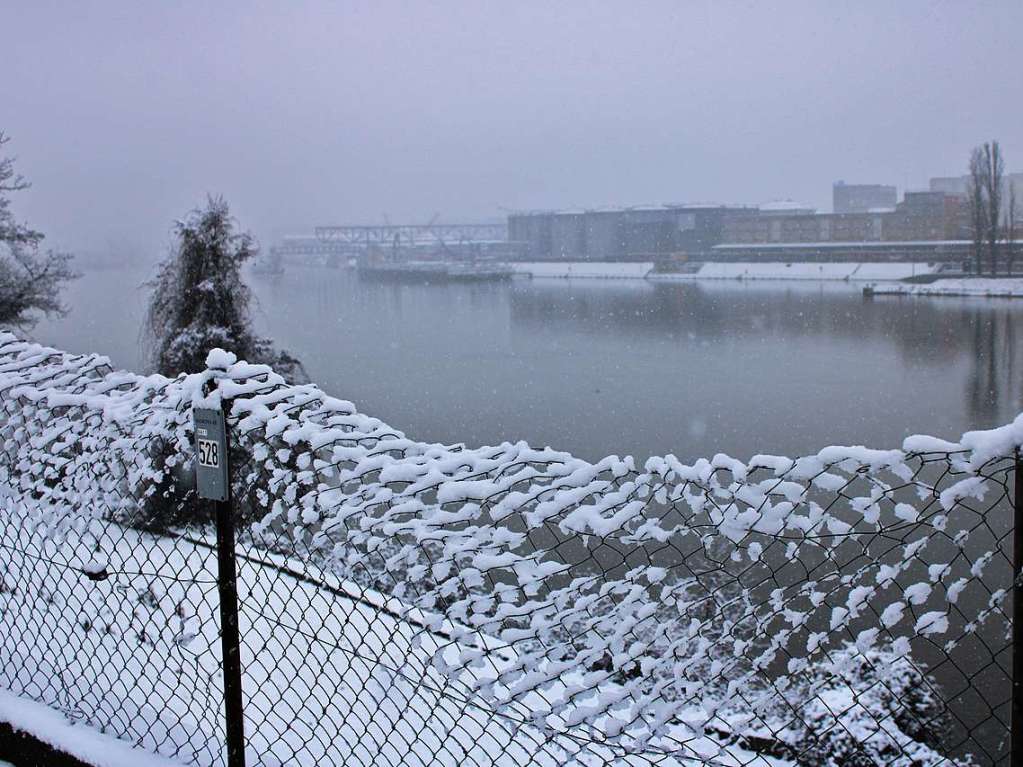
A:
[405,603]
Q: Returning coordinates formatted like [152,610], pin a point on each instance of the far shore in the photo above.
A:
[978,287]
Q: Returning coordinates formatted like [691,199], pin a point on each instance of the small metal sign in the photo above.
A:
[210,454]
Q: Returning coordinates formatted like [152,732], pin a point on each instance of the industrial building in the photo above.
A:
[619,234]
[920,216]
[864,213]
[868,222]
[862,198]
[958,186]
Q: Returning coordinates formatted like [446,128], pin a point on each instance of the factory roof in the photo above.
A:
[668,206]
[780,206]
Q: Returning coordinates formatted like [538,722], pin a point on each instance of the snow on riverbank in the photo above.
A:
[853,271]
[983,287]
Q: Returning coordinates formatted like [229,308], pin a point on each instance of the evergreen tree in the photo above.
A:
[199,300]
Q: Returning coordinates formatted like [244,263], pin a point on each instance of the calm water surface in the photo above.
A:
[600,367]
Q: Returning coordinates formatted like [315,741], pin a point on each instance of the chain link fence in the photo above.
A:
[405,603]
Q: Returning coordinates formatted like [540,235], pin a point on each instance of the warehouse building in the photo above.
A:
[679,233]
[619,234]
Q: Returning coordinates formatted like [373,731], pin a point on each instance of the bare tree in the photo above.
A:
[977,203]
[994,173]
[987,172]
[30,279]
[1010,229]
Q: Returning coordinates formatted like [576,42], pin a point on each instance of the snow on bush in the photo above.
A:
[871,709]
[647,604]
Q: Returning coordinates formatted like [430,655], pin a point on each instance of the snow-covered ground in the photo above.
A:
[852,271]
[81,742]
[328,678]
[984,287]
[440,668]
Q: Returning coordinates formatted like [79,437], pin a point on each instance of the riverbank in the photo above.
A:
[855,271]
[600,270]
[840,272]
[1006,287]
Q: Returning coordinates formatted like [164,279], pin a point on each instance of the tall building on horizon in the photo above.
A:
[957,186]
[862,198]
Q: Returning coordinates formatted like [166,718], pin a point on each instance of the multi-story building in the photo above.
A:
[618,234]
[958,186]
[769,226]
[862,198]
[920,216]
[932,215]
[954,186]
[702,231]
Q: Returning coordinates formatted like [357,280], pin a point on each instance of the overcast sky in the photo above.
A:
[124,115]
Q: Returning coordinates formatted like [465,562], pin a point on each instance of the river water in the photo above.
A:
[598,367]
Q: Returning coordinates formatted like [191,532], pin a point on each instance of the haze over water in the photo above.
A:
[627,367]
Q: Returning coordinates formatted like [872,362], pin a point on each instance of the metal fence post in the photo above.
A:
[230,642]
[1016,734]
[213,481]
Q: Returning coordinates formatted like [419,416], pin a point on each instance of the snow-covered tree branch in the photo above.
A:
[30,279]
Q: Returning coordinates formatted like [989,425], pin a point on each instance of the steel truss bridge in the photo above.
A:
[408,235]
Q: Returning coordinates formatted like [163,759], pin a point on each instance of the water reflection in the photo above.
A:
[922,330]
[928,334]
[993,373]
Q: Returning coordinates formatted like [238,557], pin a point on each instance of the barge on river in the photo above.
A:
[434,271]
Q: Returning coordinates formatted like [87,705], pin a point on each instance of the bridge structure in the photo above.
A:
[310,246]
[412,235]
[335,245]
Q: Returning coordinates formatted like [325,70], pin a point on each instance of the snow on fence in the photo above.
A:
[423,604]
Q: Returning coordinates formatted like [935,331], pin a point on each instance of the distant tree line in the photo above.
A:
[992,209]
